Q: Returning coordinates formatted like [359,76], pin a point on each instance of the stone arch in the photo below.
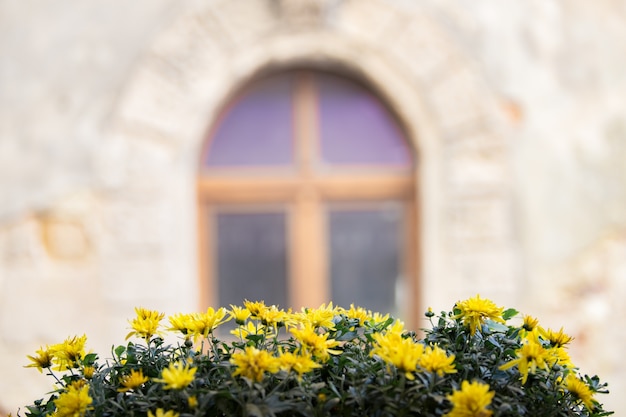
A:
[160,120]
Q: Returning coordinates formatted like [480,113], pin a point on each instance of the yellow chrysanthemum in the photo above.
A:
[252,363]
[471,401]
[317,344]
[274,317]
[358,313]
[240,314]
[530,323]
[320,317]
[557,339]
[162,413]
[580,390]
[403,353]
[205,323]
[396,327]
[146,324]
[255,307]
[192,401]
[530,328]
[74,402]
[67,355]
[378,318]
[177,376]
[42,361]
[475,311]
[183,323]
[299,362]
[88,372]
[530,356]
[133,380]
[559,356]
[199,325]
[249,328]
[436,360]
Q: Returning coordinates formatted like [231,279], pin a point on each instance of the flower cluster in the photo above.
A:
[261,360]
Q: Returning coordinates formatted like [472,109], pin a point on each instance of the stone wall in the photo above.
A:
[517,113]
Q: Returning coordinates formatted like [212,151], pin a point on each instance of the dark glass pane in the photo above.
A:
[356,128]
[251,258]
[257,129]
[365,257]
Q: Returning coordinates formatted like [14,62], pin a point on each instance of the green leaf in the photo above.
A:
[493,341]
[119,351]
[90,358]
[346,336]
[509,313]
[496,327]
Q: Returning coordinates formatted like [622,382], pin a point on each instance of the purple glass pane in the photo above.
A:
[365,257]
[257,129]
[251,258]
[356,128]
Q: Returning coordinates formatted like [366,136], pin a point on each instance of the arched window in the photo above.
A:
[306,193]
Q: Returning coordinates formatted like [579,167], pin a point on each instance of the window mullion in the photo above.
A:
[309,280]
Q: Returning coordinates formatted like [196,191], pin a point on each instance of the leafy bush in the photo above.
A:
[328,361]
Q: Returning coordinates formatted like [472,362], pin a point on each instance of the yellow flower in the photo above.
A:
[557,339]
[74,402]
[358,313]
[530,323]
[530,328]
[198,324]
[183,323]
[133,380]
[273,316]
[88,372]
[249,328]
[43,360]
[162,413]
[475,311]
[320,317]
[436,360]
[530,356]
[403,353]
[559,356]
[207,322]
[240,314]
[66,355]
[299,363]
[580,390]
[471,401]
[146,324]
[317,344]
[177,376]
[255,307]
[253,363]
[378,318]
[192,401]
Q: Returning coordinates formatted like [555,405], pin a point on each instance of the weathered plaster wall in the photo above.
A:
[517,108]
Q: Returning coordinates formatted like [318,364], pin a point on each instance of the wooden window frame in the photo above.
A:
[304,192]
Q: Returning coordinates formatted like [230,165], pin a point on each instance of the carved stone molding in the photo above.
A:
[304,14]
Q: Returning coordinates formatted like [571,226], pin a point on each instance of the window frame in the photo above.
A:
[303,191]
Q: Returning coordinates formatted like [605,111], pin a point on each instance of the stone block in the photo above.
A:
[457,99]
[245,21]
[367,20]
[484,272]
[473,224]
[423,47]
[476,169]
[132,229]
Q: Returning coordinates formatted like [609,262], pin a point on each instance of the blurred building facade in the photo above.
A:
[514,116]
